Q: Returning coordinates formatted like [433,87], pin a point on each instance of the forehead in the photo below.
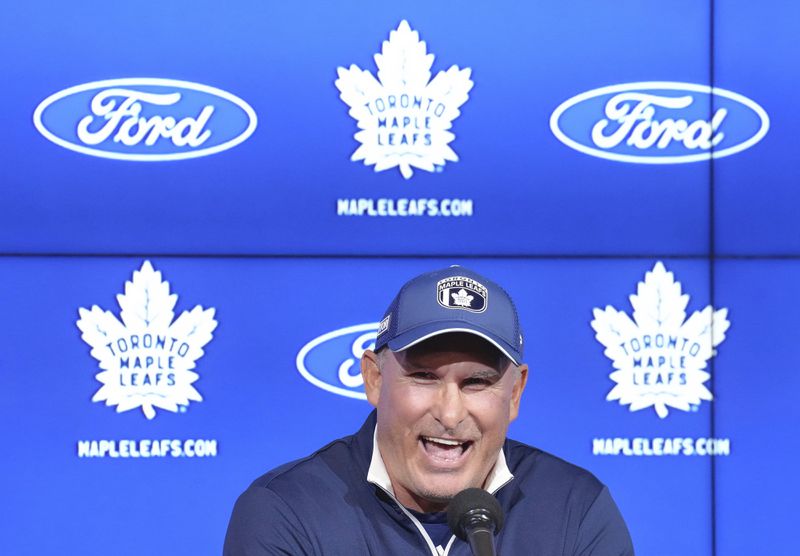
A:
[455,346]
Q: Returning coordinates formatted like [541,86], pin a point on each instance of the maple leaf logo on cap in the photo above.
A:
[404,117]
[462,298]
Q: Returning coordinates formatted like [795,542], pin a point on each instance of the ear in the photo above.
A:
[371,373]
[517,389]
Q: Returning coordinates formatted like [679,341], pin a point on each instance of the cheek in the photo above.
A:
[491,411]
[404,406]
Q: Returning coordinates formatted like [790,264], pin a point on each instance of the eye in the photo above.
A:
[423,376]
[478,382]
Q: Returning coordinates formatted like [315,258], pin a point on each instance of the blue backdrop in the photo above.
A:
[231,147]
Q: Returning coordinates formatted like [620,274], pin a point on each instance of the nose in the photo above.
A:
[450,409]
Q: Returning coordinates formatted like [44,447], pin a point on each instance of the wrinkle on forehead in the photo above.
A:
[447,347]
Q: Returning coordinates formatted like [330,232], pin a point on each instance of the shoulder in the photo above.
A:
[283,511]
[323,478]
[535,466]
[543,476]
[331,466]
[565,497]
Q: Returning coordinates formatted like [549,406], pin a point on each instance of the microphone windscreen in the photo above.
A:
[467,501]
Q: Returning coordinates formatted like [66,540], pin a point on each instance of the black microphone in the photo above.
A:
[475,516]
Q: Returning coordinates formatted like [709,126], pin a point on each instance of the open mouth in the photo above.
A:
[445,450]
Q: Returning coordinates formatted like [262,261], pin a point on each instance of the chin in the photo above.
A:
[442,493]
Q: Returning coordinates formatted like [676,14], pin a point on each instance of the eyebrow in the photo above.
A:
[486,373]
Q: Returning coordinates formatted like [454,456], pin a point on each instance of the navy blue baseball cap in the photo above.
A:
[454,299]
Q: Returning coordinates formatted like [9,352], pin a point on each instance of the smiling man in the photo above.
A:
[444,405]
[446,378]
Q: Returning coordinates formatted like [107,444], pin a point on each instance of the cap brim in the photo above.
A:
[421,333]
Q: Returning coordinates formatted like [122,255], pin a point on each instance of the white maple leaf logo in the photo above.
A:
[462,298]
[660,356]
[146,359]
[404,117]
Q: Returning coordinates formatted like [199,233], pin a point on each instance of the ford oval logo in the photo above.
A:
[659,122]
[145,119]
[332,361]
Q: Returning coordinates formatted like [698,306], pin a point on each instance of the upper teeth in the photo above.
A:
[442,441]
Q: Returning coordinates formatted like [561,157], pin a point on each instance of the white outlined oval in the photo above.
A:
[304,351]
[145,81]
[668,85]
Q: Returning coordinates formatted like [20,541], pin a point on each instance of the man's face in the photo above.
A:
[444,406]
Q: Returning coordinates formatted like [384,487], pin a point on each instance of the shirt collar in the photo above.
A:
[377,474]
